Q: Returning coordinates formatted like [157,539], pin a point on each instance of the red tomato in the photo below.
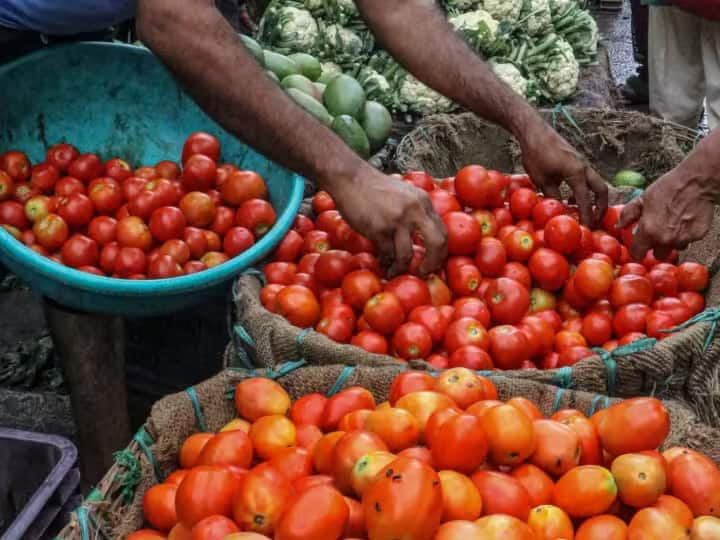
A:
[7,186]
[38,207]
[332,267]
[384,313]
[597,328]
[12,213]
[509,347]
[133,232]
[465,280]
[168,169]
[118,169]
[508,301]
[522,202]
[562,233]
[631,289]
[633,268]
[201,143]
[298,305]
[319,512]
[465,331]
[44,176]
[167,222]
[129,261]
[463,233]
[163,266]
[545,210]
[351,399]
[491,257]
[242,186]
[177,249]
[487,221]
[459,444]
[517,272]
[199,173]
[103,229]
[50,232]
[549,269]
[257,215]
[290,247]
[370,341]
[444,202]
[656,322]
[79,250]
[303,224]
[607,245]
[86,167]
[664,281]
[199,209]
[676,308]
[196,240]
[471,357]
[408,382]
[412,341]
[432,319]
[205,491]
[322,201]
[519,245]
[106,195]
[60,155]
[502,494]
[692,277]
[237,240]
[473,308]
[693,300]
[630,318]
[421,180]
[593,278]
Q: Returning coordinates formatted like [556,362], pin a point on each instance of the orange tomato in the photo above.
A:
[459,444]
[293,462]
[355,526]
[489,387]
[564,414]
[678,509]
[536,481]
[323,454]
[505,527]
[479,408]
[354,420]
[147,534]
[228,448]
[396,427]
[591,453]
[176,477]
[461,498]
[557,447]
[510,434]
[603,527]
[237,423]
[320,513]
[246,536]
[258,397]
[261,499]
[191,449]
[271,434]
[308,410]
[502,494]
[159,506]
[585,491]
[695,480]
[308,435]
[458,530]
[422,404]
[527,406]
[408,382]
[548,522]
[436,419]
[640,479]
[307,482]
[632,425]
[350,448]
[705,528]
[214,528]
[462,385]
[655,524]
[405,501]
[351,399]
[420,453]
[367,467]
[207,490]
[180,532]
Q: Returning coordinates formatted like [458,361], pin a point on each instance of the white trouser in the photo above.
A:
[684,65]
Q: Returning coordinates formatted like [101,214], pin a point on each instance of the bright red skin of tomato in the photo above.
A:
[631,318]
[167,222]
[7,186]
[61,155]
[572,355]
[118,169]
[471,357]
[471,307]
[257,215]
[108,254]
[664,282]
[199,209]
[465,280]
[280,272]
[359,286]
[463,233]
[412,341]
[68,185]
[106,195]
[164,266]
[509,347]
[694,301]
[370,341]
[16,164]
[540,334]
[597,328]
[507,300]
[142,205]
[522,202]
[631,289]
[44,176]
[633,268]
[242,186]
[199,173]
[237,240]
[167,169]
[411,291]
[549,269]
[86,167]
[303,224]
[421,180]
[351,399]
[692,277]
[322,201]
[657,321]
[201,143]
[129,261]
[502,494]
[546,209]
[177,249]
[519,245]
[487,221]
[593,278]
[610,219]
[332,267]
[517,272]
[223,221]
[79,250]
[339,330]
[196,240]
[562,233]
[384,313]
[491,257]
[51,231]
[192,267]
[308,281]
[408,382]
[290,247]
[444,202]
[465,331]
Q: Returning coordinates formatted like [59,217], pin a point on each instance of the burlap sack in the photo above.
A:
[116,508]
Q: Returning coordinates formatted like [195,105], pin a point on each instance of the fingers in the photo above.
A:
[403,252]
[662,252]
[641,242]
[551,190]
[584,201]
[385,245]
[600,188]
[435,236]
[631,213]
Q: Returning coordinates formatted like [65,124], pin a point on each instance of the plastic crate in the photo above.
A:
[39,484]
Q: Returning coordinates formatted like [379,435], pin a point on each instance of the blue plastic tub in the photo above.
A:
[118,100]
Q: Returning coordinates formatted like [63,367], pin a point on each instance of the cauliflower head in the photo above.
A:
[510,75]
[338,42]
[313,5]
[478,27]
[536,17]
[561,74]
[558,7]
[415,97]
[504,10]
[290,28]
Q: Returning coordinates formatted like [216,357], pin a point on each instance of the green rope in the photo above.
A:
[247,340]
[711,315]
[560,108]
[285,369]
[611,368]
[485,373]
[199,419]
[82,518]
[144,440]
[558,397]
[634,347]
[596,401]
[563,377]
[129,479]
[637,192]
[341,380]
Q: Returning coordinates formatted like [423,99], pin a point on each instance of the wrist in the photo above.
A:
[703,165]
[336,174]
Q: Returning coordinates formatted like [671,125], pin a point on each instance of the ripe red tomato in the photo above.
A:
[465,280]
[280,272]
[491,257]
[370,341]
[607,245]
[656,322]
[692,277]
[509,347]
[257,215]
[597,328]
[549,269]
[196,240]
[298,305]
[322,201]
[519,245]
[128,260]
[44,176]
[168,169]
[517,272]
[199,209]
[351,399]
[60,155]
[412,341]
[167,222]
[339,330]
[290,247]
[224,220]
[359,286]
[593,278]
[411,291]
[201,143]
[16,165]
[545,210]
[507,300]
[631,318]
[118,169]
[487,221]
[7,186]
[408,382]
[420,180]
[463,233]
[444,202]
[522,202]
[205,491]
[12,213]
[465,331]
[562,233]
[384,313]
[145,172]
[237,240]
[470,357]
[106,195]
[51,231]
[319,512]
[332,267]
[38,207]
[79,250]
[242,186]
[631,289]
[502,494]
[163,266]
[86,167]
[303,224]
[177,249]
[199,173]
[693,300]
[133,232]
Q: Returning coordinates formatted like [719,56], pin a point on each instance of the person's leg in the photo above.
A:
[635,89]
[711,63]
[676,81]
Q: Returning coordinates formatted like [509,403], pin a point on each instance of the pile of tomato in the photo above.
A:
[152,222]
[525,285]
[442,459]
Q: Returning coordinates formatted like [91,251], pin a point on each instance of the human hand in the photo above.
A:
[550,160]
[673,212]
[388,211]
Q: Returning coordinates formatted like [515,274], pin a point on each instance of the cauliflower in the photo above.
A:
[415,97]
[536,17]
[560,74]
[376,86]
[558,7]
[583,36]
[461,5]
[289,28]
[342,45]
[331,69]
[504,10]
[313,5]
[478,28]
[511,76]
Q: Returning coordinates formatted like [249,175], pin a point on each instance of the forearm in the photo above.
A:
[416,33]
[207,57]
[703,164]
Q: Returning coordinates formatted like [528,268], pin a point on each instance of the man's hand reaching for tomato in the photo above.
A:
[678,209]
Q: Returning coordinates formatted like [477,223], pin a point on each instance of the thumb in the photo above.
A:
[631,213]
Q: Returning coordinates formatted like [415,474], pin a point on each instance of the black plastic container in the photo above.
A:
[39,484]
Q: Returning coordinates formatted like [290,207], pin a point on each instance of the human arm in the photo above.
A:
[207,57]
[678,208]
[416,33]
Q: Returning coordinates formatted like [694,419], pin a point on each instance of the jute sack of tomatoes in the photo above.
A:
[293,406]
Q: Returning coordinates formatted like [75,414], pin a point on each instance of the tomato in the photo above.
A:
[510,434]
[332,267]
[508,301]
[444,202]
[465,331]
[103,230]
[77,210]
[118,169]
[655,524]
[15,164]
[536,482]
[491,257]
[545,210]
[44,176]
[593,278]
[471,357]
[147,534]
[630,319]
[38,207]
[308,409]
[541,300]
[695,480]
[694,301]
[603,527]
[298,305]
[339,330]
[549,522]
[262,498]
[585,491]
[539,333]
[351,399]
[227,448]
[522,201]
[60,155]
[517,272]
[106,195]
[420,180]
[440,293]
[79,250]
[657,324]
[465,280]
[607,245]
[434,421]
[322,201]
[640,479]
[597,328]
[280,272]
[475,188]
[422,404]
[7,186]
[473,308]
[176,249]
[665,283]
[461,498]
[367,261]
[509,346]
[323,452]
[167,222]
[432,319]
[242,186]
[502,494]
[214,258]
[347,451]
[562,234]
[503,526]
[319,512]
[133,232]
[201,143]
[631,289]
[303,224]
[397,428]
[384,313]
[148,173]
[412,341]
[199,173]
[50,232]
[678,509]
[257,215]
[633,268]
[204,492]
[549,269]
[290,247]
[463,233]
[633,425]
[237,240]
[199,209]
[692,277]
[459,444]
[12,213]
[159,506]
[519,245]
[258,397]
[370,341]
[308,436]
[408,382]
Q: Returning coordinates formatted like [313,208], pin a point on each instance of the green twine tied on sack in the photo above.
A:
[596,401]
[558,397]
[560,109]
[85,518]
[637,192]
[711,315]
[197,408]
[129,479]
[247,341]
[145,441]
[341,380]
[563,377]
[611,368]
[285,369]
